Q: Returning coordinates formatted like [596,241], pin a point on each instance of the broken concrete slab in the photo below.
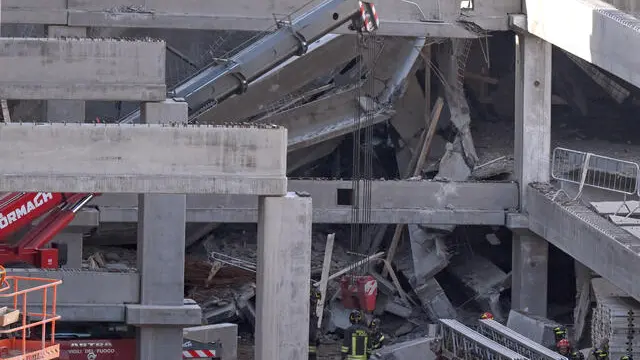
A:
[221,314]
[535,328]
[428,252]
[408,350]
[434,300]
[453,165]
[484,279]
[338,317]
[396,307]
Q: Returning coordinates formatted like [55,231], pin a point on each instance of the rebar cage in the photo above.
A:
[19,318]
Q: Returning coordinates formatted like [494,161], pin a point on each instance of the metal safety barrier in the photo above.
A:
[516,342]
[461,342]
[597,171]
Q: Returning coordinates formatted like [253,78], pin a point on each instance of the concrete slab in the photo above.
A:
[633,230]
[82,69]
[596,32]
[51,12]
[619,208]
[538,329]
[143,159]
[412,202]
[323,119]
[588,237]
[623,221]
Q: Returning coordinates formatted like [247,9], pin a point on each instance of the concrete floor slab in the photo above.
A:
[596,32]
[82,69]
[588,237]
[143,159]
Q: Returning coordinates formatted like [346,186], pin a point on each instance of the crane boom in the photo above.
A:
[217,82]
[17,210]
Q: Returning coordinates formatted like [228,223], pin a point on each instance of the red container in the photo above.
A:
[359,292]
[117,349]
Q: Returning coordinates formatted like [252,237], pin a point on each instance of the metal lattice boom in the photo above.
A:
[516,342]
[461,342]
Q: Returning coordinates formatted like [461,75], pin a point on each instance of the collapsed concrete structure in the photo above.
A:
[238,174]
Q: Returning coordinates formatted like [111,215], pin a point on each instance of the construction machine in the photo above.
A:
[20,209]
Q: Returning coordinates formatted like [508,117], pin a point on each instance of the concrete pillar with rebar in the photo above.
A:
[532,153]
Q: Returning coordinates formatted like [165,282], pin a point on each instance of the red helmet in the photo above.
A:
[486,316]
[564,343]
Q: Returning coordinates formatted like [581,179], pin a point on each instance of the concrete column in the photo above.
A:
[161,251]
[284,276]
[72,243]
[65,110]
[532,152]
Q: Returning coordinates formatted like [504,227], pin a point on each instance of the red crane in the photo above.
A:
[20,209]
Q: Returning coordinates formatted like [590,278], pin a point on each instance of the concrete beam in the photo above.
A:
[77,312]
[412,202]
[589,238]
[88,287]
[596,32]
[82,69]
[143,159]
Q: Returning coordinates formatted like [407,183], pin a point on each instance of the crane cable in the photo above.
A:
[362,165]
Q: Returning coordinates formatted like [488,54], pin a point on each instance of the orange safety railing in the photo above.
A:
[17,321]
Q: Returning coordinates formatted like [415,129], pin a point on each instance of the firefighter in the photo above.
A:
[314,339]
[560,333]
[601,351]
[356,339]
[564,348]
[486,316]
[376,337]
[626,357]
[599,354]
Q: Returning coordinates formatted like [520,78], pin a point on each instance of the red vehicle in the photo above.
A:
[103,349]
[19,210]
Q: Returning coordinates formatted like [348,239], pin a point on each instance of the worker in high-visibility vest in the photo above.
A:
[355,344]
[376,337]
